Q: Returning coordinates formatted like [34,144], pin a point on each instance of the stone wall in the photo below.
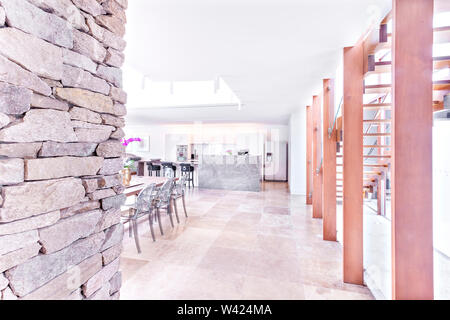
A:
[61,120]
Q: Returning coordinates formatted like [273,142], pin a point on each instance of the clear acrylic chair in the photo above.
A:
[143,206]
[179,191]
[164,201]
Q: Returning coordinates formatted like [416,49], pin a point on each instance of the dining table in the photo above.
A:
[138,183]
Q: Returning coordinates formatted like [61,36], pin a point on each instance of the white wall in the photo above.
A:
[297,152]
[165,137]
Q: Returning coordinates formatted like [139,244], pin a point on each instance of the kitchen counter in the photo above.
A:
[230,172]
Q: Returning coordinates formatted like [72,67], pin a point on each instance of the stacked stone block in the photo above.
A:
[61,119]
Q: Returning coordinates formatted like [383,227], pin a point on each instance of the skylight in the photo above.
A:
[143,92]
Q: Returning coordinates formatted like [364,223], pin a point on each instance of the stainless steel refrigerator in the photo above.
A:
[276,161]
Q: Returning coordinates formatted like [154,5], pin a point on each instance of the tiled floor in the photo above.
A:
[238,245]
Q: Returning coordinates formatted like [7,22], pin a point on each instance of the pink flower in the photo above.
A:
[126,142]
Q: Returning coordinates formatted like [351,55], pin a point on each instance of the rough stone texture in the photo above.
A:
[113,236]
[119,109]
[80,208]
[20,150]
[35,222]
[83,114]
[7,294]
[101,294]
[14,74]
[4,120]
[66,231]
[113,121]
[17,257]
[114,58]
[75,59]
[76,295]
[112,253]
[113,8]
[87,125]
[17,241]
[92,135]
[34,54]
[23,279]
[112,23]
[83,98]
[63,9]
[105,36]
[110,149]
[118,134]
[100,278]
[52,83]
[78,78]
[109,218]
[2,17]
[110,181]
[11,171]
[119,189]
[88,46]
[115,282]
[40,125]
[123,3]
[61,104]
[117,94]
[90,6]
[3,282]
[51,168]
[55,149]
[62,286]
[101,194]
[43,102]
[14,99]
[113,202]
[111,166]
[32,198]
[27,17]
[90,185]
[110,74]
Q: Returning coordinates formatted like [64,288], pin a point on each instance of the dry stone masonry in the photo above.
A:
[61,119]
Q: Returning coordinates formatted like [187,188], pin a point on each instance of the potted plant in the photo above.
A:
[129,165]
[126,172]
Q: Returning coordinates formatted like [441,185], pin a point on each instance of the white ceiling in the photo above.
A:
[272,53]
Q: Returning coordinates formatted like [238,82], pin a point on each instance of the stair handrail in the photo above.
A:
[330,129]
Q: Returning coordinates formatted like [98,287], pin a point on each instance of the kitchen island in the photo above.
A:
[243,173]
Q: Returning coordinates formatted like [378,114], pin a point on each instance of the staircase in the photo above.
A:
[378,101]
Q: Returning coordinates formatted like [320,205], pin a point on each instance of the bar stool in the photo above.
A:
[188,170]
[169,169]
[154,167]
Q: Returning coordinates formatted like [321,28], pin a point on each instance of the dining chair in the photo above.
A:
[164,201]
[179,191]
[141,207]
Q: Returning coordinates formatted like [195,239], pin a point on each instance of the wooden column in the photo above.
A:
[309,152]
[381,183]
[329,163]
[353,164]
[412,230]
[317,158]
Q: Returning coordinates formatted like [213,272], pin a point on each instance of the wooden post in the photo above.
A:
[353,164]
[317,158]
[329,163]
[309,151]
[412,119]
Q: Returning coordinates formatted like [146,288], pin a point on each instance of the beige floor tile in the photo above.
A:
[237,245]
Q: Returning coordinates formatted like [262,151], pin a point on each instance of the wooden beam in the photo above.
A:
[317,158]
[309,152]
[329,163]
[412,209]
[353,164]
